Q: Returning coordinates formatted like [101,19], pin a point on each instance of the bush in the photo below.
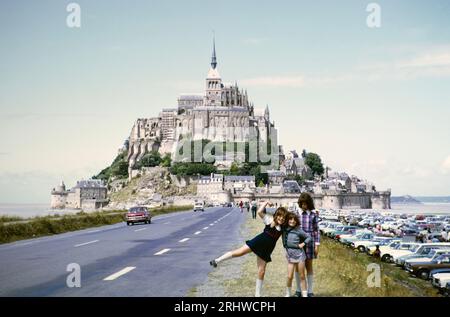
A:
[118,168]
[43,226]
[189,169]
[151,159]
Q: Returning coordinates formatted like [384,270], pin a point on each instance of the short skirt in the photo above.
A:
[262,245]
[295,255]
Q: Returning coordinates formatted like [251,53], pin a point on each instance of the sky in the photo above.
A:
[371,101]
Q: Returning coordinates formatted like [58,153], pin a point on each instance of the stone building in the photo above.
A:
[237,184]
[87,194]
[211,188]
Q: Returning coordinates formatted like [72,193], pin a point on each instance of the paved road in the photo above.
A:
[165,258]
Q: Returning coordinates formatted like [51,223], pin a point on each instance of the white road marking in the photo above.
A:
[205,228]
[166,223]
[198,232]
[140,229]
[162,251]
[86,243]
[120,273]
[92,231]
[211,224]
[184,240]
[26,243]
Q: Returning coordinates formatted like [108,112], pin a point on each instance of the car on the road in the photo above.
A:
[138,214]
[422,269]
[199,205]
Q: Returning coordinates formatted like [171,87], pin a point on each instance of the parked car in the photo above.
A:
[424,250]
[343,238]
[138,214]
[199,205]
[344,230]
[402,248]
[381,244]
[349,240]
[422,269]
[435,256]
[440,281]
[367,241]
[331,227]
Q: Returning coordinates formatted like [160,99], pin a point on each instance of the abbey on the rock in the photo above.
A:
[222,113]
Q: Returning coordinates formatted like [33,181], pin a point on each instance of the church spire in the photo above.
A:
[213,58]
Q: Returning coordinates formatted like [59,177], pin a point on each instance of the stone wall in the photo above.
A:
[326,201]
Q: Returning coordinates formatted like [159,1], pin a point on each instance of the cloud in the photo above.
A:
[428,60]
[445,166]
[431,62]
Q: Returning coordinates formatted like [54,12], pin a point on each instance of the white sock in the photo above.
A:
[224,257]
[304,294]
[259,284]
[309,277]
[297,281]
[288,292]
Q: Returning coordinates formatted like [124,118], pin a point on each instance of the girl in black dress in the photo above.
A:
[262,245]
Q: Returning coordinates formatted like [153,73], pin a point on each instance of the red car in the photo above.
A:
[138,214]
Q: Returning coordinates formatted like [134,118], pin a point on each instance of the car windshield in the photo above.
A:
[137,209]
[445,258]
[414,248]
[339,228]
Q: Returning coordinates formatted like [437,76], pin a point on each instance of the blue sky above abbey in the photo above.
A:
[334,86]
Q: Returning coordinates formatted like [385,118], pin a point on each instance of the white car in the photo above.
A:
[331,227]
[387,225]
[199,205]
[440,280]
[434,255]
[403,248]
[364,245]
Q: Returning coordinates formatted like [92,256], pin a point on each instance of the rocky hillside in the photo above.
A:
[153,187]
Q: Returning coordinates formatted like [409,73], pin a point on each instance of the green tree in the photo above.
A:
[119,167]
[151,159]
[234,169]
[166,161]
[189,169]
[315,163]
